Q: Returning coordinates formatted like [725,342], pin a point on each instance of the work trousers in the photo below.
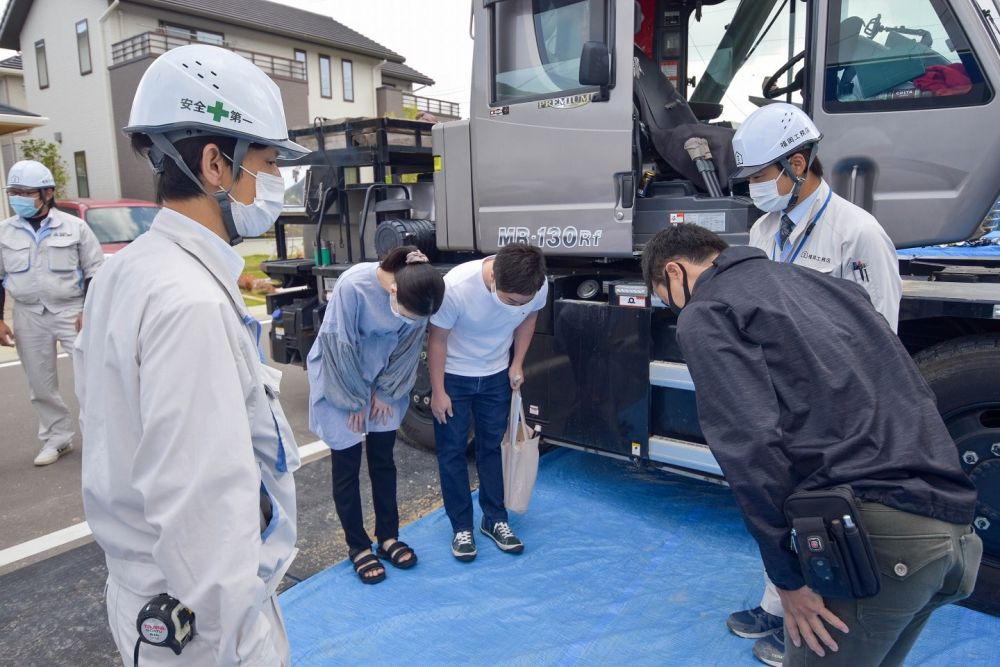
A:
[488,400]
[123,611]
[35,336]
[346,469]
[925,564]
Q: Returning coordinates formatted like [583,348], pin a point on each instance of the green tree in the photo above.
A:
[47,153]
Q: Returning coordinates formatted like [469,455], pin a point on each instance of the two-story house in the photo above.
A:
[15,122]
[83,60]
[12,96]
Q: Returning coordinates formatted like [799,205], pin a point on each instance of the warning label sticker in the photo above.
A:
[714,221]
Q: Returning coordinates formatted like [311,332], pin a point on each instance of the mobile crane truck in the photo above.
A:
[589,131]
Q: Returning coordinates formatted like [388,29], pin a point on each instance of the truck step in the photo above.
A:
[688,455]
[670,374]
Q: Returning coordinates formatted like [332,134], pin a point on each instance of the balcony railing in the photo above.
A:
[156,42]
[430,105]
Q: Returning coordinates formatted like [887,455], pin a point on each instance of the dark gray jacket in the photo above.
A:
[802,385]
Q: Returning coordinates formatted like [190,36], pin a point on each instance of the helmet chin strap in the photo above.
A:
[222,196]
[164,148]
[797,181]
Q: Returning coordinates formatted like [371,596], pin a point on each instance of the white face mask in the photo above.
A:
[766,197]
[256,218]
[506,306]
[394,307]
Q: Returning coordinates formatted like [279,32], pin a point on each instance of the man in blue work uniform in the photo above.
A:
[803,386]
[47,259]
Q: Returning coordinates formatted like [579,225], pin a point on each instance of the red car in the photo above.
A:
[116,222]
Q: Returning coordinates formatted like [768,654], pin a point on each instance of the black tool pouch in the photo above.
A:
[834,552]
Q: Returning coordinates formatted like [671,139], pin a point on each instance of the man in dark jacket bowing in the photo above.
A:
[801,385]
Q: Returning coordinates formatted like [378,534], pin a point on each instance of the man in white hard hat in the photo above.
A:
[808,224]
[188,457]
[47,259]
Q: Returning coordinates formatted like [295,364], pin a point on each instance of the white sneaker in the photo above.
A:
[50,455]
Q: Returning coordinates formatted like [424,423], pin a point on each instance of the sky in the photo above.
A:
[432,35]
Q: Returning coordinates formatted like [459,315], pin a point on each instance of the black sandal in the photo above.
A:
[366,564]
[395,553]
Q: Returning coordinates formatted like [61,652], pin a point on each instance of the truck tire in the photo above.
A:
[417,428]
[964,374]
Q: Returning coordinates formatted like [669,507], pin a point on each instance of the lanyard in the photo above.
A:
[805,236]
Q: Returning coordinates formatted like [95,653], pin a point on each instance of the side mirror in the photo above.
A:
[595,65]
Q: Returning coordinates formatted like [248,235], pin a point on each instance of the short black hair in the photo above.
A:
[685,241]
[816,168]
[519,268]
[419,286]
[174,184]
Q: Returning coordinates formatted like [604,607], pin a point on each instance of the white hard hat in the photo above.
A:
[30,174]
[203,89]
[769,134]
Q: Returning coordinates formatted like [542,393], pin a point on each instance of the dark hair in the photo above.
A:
[519,268]
[419,286]
[816,168]
[51,203]
[174,183]
[688,242]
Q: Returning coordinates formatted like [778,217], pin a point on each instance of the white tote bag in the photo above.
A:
[520,459]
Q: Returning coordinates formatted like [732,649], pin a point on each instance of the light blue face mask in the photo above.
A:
[24,206]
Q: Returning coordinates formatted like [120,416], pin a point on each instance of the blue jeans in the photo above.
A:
[488,400]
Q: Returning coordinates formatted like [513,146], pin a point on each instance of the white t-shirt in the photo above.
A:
[482,330]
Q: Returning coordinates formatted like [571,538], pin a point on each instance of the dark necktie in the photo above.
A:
[786,229]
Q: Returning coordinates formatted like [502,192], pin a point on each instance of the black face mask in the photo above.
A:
[674,308]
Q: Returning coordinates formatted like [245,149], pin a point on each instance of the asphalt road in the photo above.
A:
[52,607]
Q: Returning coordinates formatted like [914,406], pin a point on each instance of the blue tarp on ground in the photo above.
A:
[951,252]
[620,567]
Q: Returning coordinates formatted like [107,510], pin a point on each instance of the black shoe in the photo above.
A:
[753,623]
[503,536]
[771,649]
[463,546]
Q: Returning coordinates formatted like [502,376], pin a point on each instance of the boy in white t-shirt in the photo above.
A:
[488,305]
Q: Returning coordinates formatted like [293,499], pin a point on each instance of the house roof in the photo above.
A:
[280,19]
[14,62]
[405,72]
[13,119]
[14,15]
[14,111]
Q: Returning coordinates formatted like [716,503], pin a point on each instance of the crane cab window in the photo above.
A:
[537,46]
[883,55]
[734,47]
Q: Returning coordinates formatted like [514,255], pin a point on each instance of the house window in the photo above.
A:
[348,70]
[82,182]
[42,63]
[189,34]
[83,47]
[325,88]
[300,57]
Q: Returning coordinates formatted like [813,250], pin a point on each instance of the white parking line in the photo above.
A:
[39,545]
[17,362]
